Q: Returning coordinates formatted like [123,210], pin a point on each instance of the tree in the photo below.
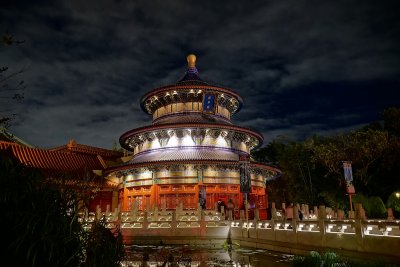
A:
[10,87]
[42,222]
[391,120]
[313,169]
[362,147]
[41,229]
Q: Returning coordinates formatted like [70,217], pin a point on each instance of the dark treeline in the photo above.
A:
[313,170]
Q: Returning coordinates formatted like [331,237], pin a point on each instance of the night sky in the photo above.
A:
[302,67]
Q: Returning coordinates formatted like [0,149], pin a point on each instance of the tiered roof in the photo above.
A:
[184,155]
[74,147]
[55,162]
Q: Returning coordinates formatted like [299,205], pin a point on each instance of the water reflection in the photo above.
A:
[200,255]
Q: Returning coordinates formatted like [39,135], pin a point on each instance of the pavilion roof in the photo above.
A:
[56,163]
[185,154]
[231,163]
[191,118]
[74,147]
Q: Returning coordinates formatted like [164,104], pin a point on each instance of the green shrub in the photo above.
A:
[313,259]
[373,206]
[41,223]
[394,203]
[377,208]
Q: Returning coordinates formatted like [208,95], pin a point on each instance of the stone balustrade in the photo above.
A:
[373,237]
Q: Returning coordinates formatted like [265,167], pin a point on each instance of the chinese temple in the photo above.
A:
[192,154]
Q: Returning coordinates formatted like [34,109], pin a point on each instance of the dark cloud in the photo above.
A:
[302,67]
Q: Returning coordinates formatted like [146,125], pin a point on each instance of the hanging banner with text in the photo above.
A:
[209,103]
[245,178]
[348,176]
[348,173]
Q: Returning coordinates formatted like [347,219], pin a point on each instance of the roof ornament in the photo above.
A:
[191,59]
[72,143]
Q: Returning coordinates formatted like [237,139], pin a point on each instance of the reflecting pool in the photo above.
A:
[201,255]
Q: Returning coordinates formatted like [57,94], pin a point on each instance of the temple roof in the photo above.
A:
[191,118]
[72,146]
[55,162]
[191,76]
[234,163]
[190,81]
[157,127]
[184,154]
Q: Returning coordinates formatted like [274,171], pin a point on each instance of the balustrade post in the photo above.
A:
[155,217]
[390,216]
[295,218]
[145,220]
[296,212]
[359,232]
[118,224]
[115,214]
[321,212]
[174,221]
[203,229]
[256,215]
[274,215]
[242,217]
[340,214]
[307,211]
[98,212]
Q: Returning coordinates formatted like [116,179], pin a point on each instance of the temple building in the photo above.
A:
[192,153]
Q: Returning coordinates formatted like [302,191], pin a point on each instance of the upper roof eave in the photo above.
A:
[202,87]
[198,162]
[191,125]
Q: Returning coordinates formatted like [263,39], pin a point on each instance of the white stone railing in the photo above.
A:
[366,236]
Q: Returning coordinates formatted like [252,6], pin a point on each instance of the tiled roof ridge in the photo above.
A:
[53,160]
[75,147]
[198,162]
[196,125]
[193,86]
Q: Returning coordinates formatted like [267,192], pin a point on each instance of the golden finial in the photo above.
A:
[191,59]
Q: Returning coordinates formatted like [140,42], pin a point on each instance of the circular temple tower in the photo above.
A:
[191,155]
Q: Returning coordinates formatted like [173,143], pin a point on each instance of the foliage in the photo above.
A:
[373,206]
[377,208]
[10,88]
[313,259]
[329,259]
[42,222]
[313,170]
[104,248]
[394,203]
[42,230]
[362,147]
[391,120]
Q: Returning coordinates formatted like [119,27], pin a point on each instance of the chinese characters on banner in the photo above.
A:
[209,103]
[348,176]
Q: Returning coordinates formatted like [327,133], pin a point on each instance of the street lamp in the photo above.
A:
[397,194]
